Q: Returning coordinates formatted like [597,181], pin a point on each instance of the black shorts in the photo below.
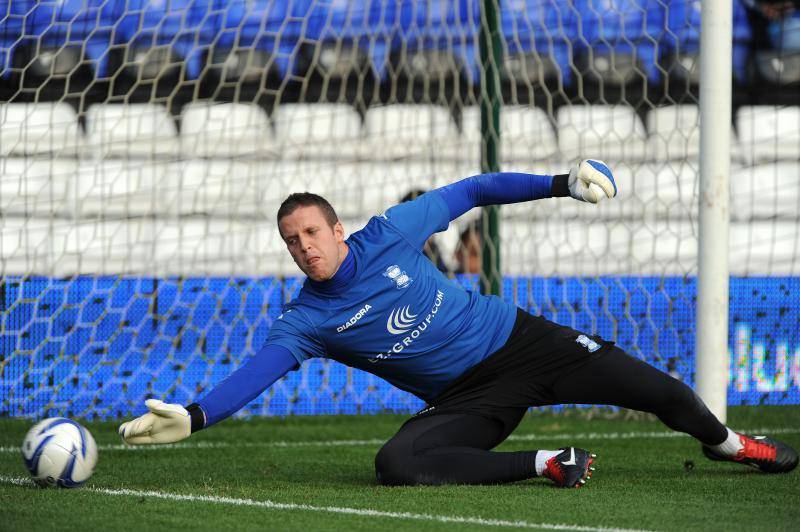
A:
[520,374]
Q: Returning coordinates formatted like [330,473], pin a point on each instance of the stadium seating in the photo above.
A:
[616,42]
[406,130]
[39,128]
[31,187]
[534,53]
[526,134]
[243,40]
[13,28]
[655,190]
[673,132]
[200,245]
[166,35]
[254,189]
[101,247]
[57,35]
[763,231]
[118,188]
[610,132]
[216,187]
[392,180]
[441,36]
[225,130]
[765,246]
[255,37]
[344,184]
[318,131]
[778,67]
[766,190]
[665,247]
[563,248]
[210,246]
[26,246]
[681,40]
[351,36]
[131,130]
[769,133]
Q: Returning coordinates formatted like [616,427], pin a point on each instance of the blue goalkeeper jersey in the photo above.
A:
[388,310]
[398,316]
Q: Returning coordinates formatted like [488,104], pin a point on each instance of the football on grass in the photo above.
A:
[59,452]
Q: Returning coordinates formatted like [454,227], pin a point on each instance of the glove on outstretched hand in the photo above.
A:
[591,180]
[164,423]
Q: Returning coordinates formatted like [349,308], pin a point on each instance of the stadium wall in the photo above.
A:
[97,347]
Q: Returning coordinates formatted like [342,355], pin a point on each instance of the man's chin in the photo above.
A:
[316,276]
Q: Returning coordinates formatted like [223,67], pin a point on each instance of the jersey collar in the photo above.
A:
[341,279]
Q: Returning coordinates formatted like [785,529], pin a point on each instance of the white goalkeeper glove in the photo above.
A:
[591,180]
[164,423]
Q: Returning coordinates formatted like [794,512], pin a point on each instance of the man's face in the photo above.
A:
[469,253]
[317,248]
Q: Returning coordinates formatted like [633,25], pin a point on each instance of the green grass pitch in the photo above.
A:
[316,473]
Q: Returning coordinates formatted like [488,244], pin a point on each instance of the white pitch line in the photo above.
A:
[361,512]
[377,441]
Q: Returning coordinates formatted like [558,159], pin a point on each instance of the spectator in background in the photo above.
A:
[468,253]
[431,248]
[776,24]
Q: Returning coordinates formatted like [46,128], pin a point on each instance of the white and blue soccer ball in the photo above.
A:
[59,452]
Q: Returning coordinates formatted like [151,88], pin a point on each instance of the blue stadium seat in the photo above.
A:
[348,402]
[432,34]
[12,23]
[161,35]
[538,33]
[350,31]
[256,36]
[618,37]
[279,404]
[59,31]
[682,38]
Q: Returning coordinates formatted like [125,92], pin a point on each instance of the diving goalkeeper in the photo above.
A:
[375,302]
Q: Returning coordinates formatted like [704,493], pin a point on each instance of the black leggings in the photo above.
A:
[453,448]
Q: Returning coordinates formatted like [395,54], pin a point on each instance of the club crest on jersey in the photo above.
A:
[400,320]
[588,343]
[398,276]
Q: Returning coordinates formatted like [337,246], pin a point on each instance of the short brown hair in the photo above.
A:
[307,199]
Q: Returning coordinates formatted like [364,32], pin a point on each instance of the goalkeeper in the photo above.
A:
[376,303]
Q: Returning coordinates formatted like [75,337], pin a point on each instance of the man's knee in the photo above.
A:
[392,463]
[680,397]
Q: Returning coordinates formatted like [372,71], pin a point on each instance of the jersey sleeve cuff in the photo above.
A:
[198,417]
[560,186]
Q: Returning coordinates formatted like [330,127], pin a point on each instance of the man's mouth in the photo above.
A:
[312,261]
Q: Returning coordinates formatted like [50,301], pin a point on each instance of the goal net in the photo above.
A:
[145,147]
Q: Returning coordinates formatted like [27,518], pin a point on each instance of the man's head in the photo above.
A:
[469,250]
[313,234]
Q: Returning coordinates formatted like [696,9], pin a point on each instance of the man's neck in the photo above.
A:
[345,251]
[345,272]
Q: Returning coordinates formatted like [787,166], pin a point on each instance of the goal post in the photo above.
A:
[714,206]
[490,96]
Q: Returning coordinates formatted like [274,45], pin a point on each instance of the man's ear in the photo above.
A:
[338,230]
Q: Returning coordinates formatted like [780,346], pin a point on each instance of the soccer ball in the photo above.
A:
[59,452]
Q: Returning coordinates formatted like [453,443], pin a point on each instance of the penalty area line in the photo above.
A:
[566,437]
[360,512]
